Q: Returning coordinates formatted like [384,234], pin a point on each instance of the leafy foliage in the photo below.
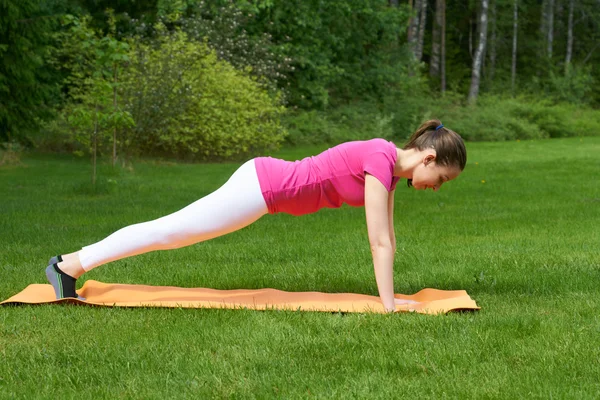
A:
[94,62]
[495,118]
[187,102]
[506,118]
[226,30]
[358,121]
[27,89]
[341,50]
[319,56]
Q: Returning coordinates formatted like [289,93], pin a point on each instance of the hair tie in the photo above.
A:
[440,126]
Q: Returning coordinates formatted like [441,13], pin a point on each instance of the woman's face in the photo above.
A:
[429,175]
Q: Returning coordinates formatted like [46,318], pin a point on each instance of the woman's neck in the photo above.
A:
[406,161]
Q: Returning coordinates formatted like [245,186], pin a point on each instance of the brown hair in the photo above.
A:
[448,145]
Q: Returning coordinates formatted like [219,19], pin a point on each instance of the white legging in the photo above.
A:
[236,204]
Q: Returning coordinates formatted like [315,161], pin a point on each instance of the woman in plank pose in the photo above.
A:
[357,173]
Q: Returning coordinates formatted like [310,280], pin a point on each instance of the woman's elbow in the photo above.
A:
[383,244]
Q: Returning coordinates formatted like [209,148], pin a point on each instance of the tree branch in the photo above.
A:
[590,53]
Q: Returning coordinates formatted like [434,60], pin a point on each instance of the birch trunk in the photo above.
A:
[493,42]
[570,35]
[422,23]
[413,24]
[477,60]
[542,49]
[513,73]
[550,28]
[443,47]
[434,64]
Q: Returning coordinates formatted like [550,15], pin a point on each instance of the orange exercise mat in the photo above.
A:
[431,301]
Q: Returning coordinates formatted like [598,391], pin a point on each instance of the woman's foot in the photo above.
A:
[55,260]
[62,278]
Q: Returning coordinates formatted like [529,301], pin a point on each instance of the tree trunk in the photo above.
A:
[477,60]
[513,74]
[443,47]
[493,42]
[570,35]
[114,156]
[422,23]
[550,25]
[413,24]
[94,145]
[471,38]
[542,48]
[434,63]
[590,53]
[558,18]
[394,3]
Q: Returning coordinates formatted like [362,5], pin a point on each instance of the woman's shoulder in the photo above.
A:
[366,142]
[376,144]
[362,148]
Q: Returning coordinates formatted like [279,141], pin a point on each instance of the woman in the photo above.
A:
[357,173]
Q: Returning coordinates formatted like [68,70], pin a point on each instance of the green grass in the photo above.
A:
[524,244]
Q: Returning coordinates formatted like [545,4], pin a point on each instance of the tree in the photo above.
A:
[27,89]
[422,23]
[550,27]
[437,64]
[93,60]
[514,46]
[436,34]
[547,26]
[493,41]
[569,54]
[413,25]
[443,47]
[479,54]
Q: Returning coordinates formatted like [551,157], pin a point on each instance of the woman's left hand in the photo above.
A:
[403,302]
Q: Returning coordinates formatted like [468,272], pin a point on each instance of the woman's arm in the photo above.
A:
[391,219]
[376,209]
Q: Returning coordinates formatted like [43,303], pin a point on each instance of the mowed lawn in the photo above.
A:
[519,230]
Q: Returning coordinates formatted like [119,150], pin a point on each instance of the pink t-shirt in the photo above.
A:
[329,179]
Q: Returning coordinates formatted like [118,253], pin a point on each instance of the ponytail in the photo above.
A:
[426,126]
[448,145]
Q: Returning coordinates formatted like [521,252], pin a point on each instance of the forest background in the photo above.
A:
[227,79]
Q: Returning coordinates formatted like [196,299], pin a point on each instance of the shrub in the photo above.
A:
[10,153]
[573,84]
[188,103]
[359,121]
[497,118]
[225,26]
[494,118]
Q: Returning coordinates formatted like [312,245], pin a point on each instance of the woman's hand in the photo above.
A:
[402,302]
[406,302]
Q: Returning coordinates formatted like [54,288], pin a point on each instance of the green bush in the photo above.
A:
[10,153]
[574,84]
[358,121]
[494,118]
[497,118]
[187,103]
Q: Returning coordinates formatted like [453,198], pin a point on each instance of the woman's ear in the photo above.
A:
[429,158]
